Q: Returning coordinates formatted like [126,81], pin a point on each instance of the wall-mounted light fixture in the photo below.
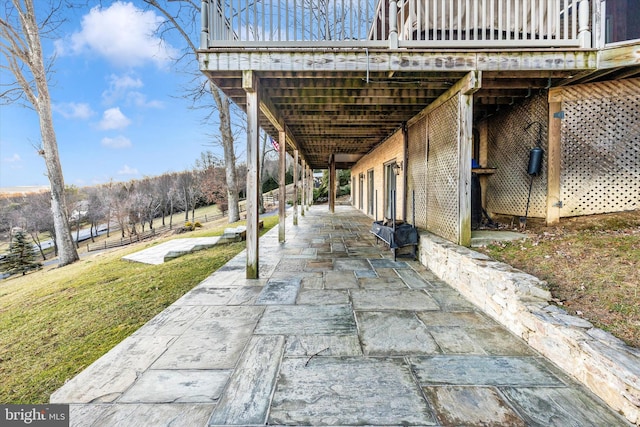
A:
[397,167]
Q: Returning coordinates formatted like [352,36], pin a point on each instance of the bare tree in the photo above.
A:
[166,188]
[38,218]
[212,181]
[97,209]
[187,192]
[20,45]
[152,201]
[185,17]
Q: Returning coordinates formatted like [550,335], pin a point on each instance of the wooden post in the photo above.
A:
[250,85]
[282,193]
[483,134]
[332,184]
[295,187]
[303,173]
[465,143]
[311,187]
[554,202]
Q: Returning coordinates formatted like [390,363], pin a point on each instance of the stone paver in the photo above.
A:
[175,248]
[333,333]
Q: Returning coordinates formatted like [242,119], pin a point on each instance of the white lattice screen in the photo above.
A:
[509,143]
[600,156]
[417,173]
[442,170]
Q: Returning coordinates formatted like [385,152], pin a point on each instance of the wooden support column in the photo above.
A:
[554,202]
[303,173]
[282,178]
[295,187]
[311,187]
[250,85]
[483,133]
[332,184]
[465,152]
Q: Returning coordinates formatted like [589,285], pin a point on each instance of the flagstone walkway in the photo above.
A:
[334,333]
[175,248]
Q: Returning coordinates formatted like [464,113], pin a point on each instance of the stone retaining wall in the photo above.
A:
[520,302]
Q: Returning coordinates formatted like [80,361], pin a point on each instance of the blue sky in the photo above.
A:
[117,106]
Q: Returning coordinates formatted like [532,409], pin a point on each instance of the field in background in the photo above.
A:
[57,321]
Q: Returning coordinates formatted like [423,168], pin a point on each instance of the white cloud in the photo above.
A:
[119,86]
[121,33]
[140,100]
[73,110]
[117,142]
[126,170]
[113,119]
[121,89]
[13,159]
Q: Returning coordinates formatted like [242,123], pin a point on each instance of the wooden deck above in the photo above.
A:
[346,102]
[339,81]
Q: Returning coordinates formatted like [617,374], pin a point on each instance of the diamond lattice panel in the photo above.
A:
[508,151]
[600,154]
[417,174]
[442,170]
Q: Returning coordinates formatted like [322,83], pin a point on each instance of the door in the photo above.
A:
[389,189]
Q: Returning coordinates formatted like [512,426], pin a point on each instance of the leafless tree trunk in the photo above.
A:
[229,153]
[188,14]
[20,45]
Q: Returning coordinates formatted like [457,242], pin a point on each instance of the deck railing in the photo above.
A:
[396,23]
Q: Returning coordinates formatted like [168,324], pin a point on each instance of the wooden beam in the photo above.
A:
[355,100]
[297,82]
[597,90]
[251,85]
[271,113]
[467,85]
[619,56]
[341,93]
[554,162]
[411,60]
[282,190]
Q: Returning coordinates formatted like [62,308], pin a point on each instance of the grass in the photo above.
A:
[57,321]
[592,266]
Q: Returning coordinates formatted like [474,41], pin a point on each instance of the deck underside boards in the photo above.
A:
[347,101]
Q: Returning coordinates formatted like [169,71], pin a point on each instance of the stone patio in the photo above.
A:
[334,333]
[175,248]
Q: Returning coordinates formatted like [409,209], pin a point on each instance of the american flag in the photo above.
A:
[275,144]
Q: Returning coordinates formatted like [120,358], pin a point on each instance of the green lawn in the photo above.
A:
[55,322]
